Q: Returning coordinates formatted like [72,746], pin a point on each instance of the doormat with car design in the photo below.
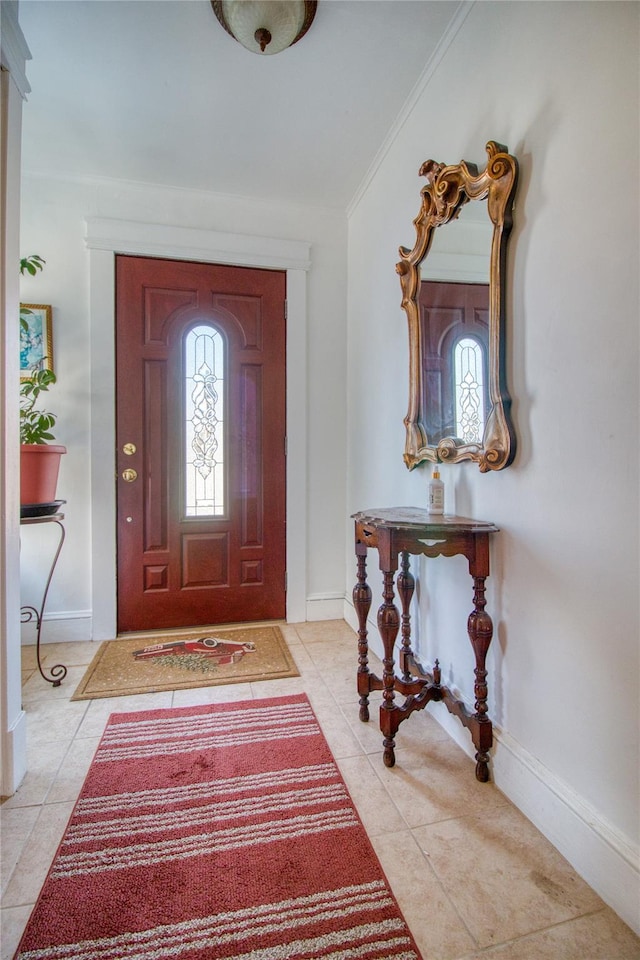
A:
[180,659]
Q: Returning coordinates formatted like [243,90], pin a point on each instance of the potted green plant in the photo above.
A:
[39,459]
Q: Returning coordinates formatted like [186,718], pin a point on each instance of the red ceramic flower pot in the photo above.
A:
[39,466]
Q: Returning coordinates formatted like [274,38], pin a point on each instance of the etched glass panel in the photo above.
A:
[468,386]
[204,375]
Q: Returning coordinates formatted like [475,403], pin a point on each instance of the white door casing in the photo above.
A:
[104,238]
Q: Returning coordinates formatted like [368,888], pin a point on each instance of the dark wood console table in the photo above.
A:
[29,613]
[398,532]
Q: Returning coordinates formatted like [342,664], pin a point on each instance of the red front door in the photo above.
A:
[200,388]
[448,312]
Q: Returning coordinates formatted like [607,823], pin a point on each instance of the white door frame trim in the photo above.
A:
[13,90]
[104,238]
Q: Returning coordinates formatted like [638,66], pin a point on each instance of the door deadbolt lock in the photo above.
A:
[129,475]
[129,449]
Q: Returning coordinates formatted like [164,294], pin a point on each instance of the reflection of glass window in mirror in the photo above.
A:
[204,374]
[452,314]
[468,379]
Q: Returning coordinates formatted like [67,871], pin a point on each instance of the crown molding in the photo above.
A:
[436,57]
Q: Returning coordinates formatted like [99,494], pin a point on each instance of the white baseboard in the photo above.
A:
[77,625]
[603,856]
[598,851]
[69,626]
[14,756]
[325,606]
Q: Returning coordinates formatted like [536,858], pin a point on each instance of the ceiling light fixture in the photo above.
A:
[265,26]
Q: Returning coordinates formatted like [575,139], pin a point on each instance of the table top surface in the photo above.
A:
[414,518]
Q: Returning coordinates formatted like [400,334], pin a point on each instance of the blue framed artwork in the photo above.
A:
[36,337]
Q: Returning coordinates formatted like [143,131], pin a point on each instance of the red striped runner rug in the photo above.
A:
[223,831]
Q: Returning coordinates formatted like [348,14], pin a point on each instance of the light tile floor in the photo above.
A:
[473,877]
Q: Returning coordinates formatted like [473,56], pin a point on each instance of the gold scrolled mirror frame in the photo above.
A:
[447,191]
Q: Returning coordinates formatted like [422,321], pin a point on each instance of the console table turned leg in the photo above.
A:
[406,585]
[362,604]
[388,625]
[480,628]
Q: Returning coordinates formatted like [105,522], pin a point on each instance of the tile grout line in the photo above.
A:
[333,688]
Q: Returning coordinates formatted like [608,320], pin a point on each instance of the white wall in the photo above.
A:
[53,225]
[557,83]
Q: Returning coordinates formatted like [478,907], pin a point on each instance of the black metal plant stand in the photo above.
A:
[28,613]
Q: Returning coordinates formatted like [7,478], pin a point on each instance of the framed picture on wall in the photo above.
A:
[36,337]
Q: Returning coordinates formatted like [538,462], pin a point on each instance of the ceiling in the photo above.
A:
[157,91]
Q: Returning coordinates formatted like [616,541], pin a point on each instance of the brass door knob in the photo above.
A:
[129,449]
[129,475]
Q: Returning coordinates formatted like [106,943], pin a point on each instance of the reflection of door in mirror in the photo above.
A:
[454,319]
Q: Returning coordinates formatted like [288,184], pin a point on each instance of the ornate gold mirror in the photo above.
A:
[453,292]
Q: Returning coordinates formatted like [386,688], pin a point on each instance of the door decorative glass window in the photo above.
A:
[468,365]
[204,386]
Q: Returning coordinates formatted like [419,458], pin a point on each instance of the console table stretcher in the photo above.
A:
[396,533]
